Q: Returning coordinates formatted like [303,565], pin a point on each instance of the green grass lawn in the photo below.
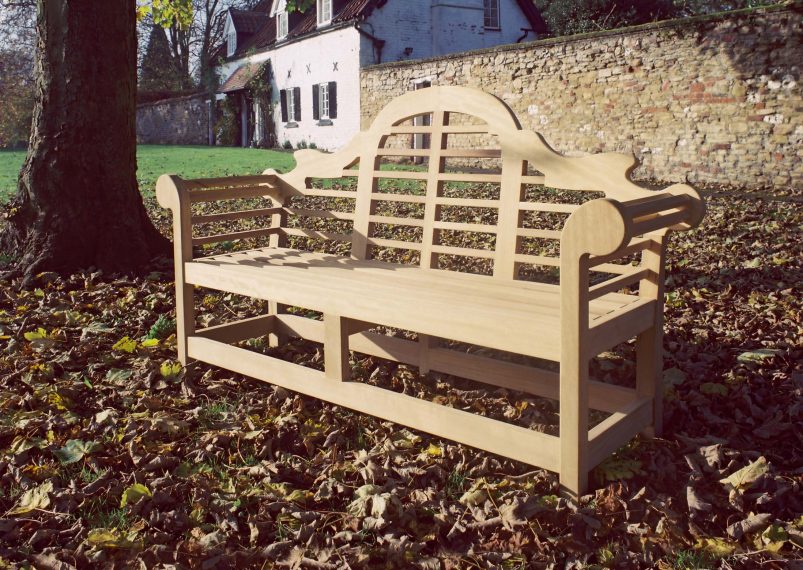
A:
[155,160]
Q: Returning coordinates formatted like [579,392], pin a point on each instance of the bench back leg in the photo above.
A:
[649,344]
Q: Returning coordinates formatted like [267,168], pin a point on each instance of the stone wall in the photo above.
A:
[182,120]
[705,100]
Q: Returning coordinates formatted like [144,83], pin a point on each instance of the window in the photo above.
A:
[324,12]
[232,42]
[324,102]
[281,24]
[492,14]
[290,100]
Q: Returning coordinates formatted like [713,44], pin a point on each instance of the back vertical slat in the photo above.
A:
[367,184]
[508,220]
[431,208]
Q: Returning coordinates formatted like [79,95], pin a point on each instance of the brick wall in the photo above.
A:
[713,100]
[182,120]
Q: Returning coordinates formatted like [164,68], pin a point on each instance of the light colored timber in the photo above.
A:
[328,214]
[301,232]
[466,202]
[217,238]
[415,222]
[238,215]
[617,283]
[323,193]
[568,324]
[465,251]
[497,437]
[234,193]
[623,425]
[397,198]
[461,227]
[548,207]
[536,381]
[447,152]
[538,233]
[240,330]
[398,244]
[450,130]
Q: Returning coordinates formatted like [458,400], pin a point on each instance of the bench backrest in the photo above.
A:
[512,222]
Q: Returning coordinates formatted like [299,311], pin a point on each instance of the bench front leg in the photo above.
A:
[172,194]
[336,347]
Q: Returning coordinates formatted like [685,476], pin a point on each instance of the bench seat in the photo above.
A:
[514,316]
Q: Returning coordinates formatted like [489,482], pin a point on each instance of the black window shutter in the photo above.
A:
[283,97]
[297,102]
[333,100]
[316,113]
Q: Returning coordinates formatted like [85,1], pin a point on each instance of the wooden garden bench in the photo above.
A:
[569,323]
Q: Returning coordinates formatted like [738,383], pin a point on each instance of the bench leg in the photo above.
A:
[574,425]
[336,347]
[185,319]
[649,370]
[425,344]
[275,339]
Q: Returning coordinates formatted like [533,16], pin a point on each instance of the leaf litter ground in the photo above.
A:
[113,455]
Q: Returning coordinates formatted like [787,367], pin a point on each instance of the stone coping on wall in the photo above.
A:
[794,7]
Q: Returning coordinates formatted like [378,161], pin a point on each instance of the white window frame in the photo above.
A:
[281,24]
[231,42]
[492,17]
[324,10]
[291,104]
[323,100]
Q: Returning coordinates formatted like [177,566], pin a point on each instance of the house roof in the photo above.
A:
[240,78]
[248,21]
[533,15]
[264,27]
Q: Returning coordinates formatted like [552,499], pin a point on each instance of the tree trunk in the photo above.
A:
[77,203]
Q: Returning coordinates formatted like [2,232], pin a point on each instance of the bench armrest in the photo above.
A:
[172,190]
[178,195]
[604,227]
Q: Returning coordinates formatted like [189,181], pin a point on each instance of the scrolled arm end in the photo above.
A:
[696,205]
[598,227]
[168,191]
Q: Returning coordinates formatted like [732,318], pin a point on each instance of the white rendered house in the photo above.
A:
[314,58]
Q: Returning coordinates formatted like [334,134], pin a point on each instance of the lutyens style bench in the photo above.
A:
[484,190]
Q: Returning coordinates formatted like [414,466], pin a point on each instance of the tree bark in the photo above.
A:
[77,203]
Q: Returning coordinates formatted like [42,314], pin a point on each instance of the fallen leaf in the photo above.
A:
[134,493]
[75,450]
[32,499]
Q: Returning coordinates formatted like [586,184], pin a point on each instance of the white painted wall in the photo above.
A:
[320,53]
